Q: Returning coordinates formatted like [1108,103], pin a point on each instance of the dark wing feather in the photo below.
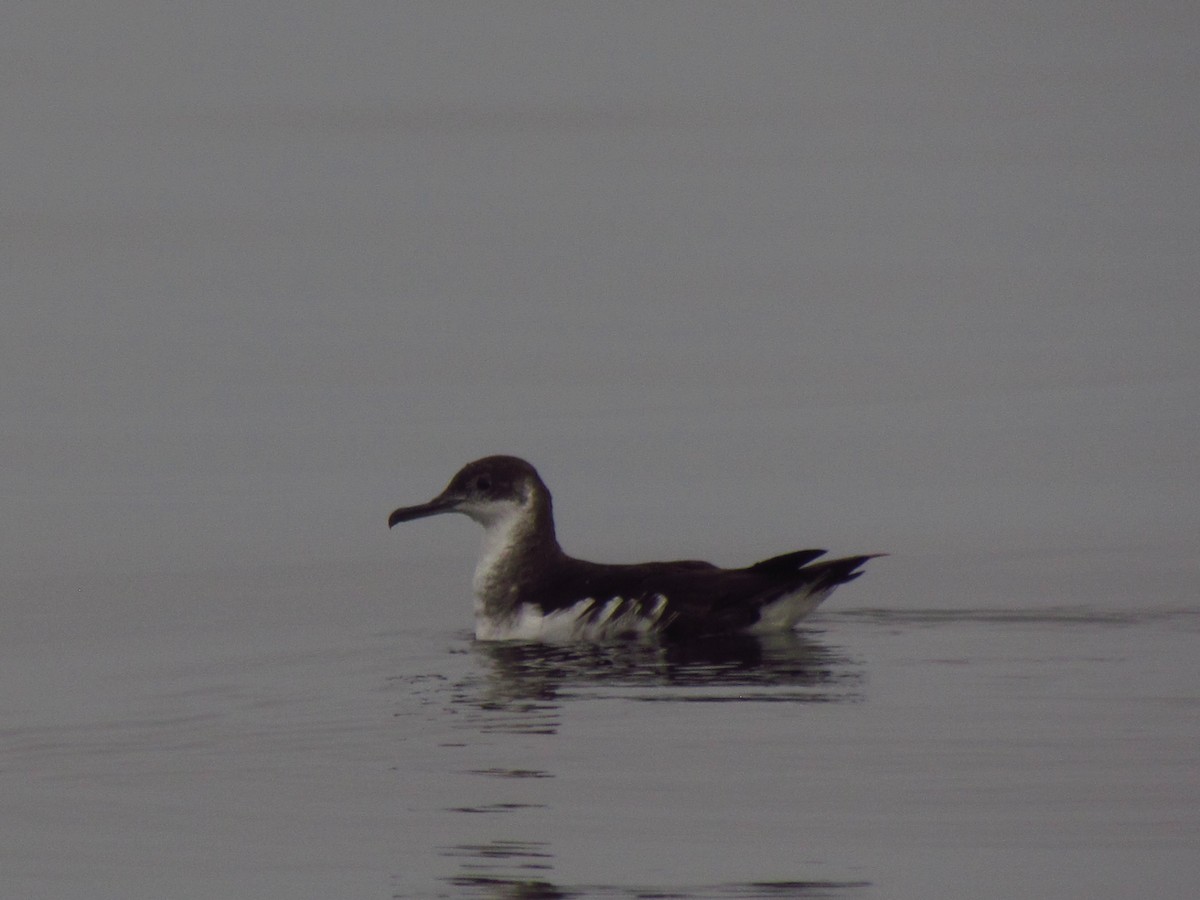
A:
[787,563]
[731,600]
[836,571]
[702,599]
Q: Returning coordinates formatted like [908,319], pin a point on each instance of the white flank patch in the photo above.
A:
[785,612]
[575,623]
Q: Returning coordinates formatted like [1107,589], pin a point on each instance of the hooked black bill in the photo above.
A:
[440,504]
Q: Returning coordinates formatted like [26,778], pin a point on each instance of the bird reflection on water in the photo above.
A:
[521,688]
[536,889]
[524,685]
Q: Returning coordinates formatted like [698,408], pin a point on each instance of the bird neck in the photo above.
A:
[518,547]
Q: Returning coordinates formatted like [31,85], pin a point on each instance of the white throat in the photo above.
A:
[504,526]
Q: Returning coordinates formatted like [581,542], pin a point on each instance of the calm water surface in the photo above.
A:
[991,753]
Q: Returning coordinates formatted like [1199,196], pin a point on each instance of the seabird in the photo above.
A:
[527,588]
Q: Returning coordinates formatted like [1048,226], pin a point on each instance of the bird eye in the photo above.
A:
[483,483]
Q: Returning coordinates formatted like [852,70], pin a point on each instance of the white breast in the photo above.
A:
[500,535]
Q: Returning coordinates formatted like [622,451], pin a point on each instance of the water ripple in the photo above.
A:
[520,687]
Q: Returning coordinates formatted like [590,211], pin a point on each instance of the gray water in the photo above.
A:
[738,279]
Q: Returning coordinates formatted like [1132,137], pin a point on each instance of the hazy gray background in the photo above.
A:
[738,278]
[735,276]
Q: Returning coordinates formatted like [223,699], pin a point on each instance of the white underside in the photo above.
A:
[784,613]
[580,622]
